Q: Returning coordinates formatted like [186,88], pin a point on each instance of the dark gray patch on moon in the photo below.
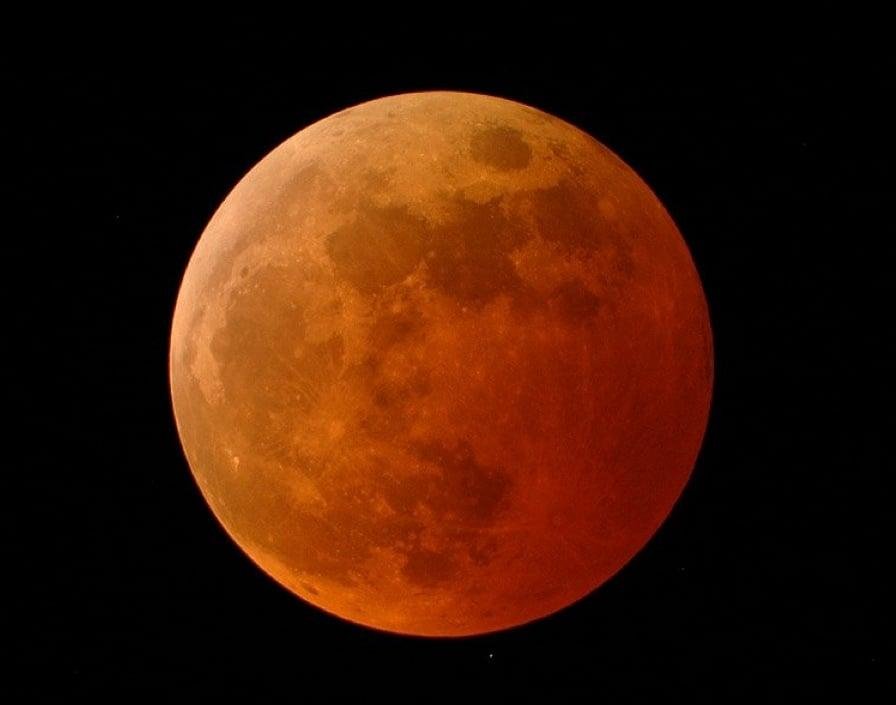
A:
[502,148]
[468,491]
[468,256]
[574,301]
[381,247]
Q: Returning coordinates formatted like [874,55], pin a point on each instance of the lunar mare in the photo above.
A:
[441,364]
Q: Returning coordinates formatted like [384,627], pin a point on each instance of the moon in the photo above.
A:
[441,364]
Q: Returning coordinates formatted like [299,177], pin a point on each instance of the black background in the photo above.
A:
[765,148]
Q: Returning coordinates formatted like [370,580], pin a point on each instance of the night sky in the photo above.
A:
[767,150]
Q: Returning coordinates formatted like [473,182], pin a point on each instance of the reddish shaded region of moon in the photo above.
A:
[441,364]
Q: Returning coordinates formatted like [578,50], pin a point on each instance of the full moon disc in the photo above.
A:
[441,364]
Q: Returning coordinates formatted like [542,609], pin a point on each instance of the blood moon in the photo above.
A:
[441,364]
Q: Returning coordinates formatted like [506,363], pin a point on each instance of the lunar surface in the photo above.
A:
[441,364]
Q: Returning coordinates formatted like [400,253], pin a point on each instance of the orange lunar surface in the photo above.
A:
[441,364]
